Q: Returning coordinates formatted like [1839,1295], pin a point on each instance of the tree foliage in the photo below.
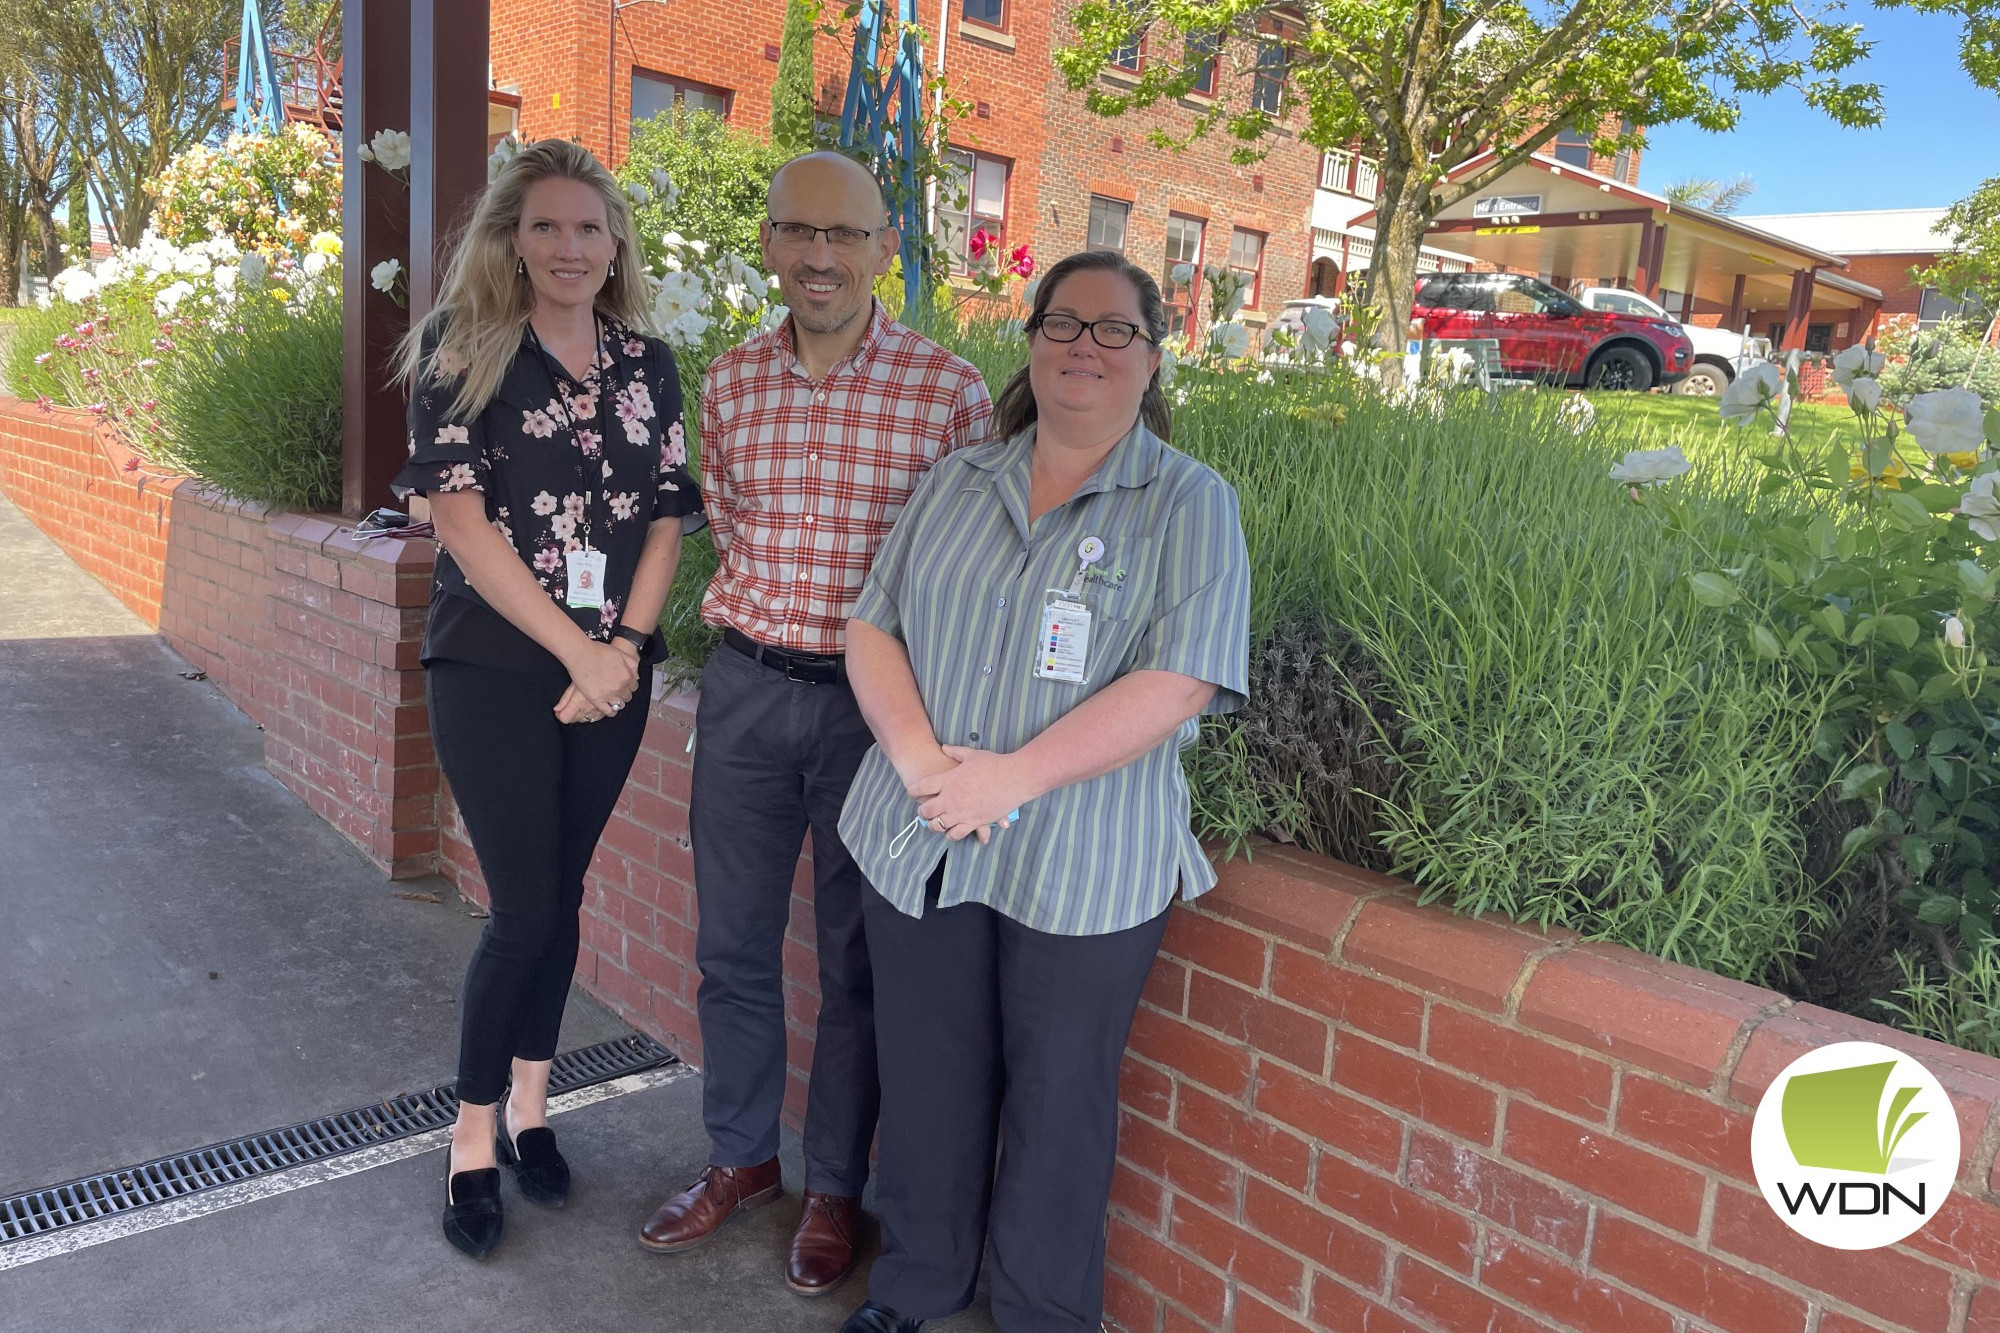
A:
[1972,269]
[1717,196]
[722,175]
[1454,93]
[793,100]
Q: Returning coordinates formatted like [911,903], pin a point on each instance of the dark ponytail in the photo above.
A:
[1014,409]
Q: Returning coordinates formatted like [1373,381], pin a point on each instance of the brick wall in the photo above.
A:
[83,488]
[312,634]
[1058,152]
[1344,1112]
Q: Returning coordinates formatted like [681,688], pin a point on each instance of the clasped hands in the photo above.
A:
[602,679]
[968,792]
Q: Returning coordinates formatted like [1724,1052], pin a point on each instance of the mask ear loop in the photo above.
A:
[902,842]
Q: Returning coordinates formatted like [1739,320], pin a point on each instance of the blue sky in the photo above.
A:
[1935,145]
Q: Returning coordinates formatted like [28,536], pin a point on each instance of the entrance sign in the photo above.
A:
[1506,205]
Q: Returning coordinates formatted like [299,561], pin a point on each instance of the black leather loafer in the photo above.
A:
[874,1318]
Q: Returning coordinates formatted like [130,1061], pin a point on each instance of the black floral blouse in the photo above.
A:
[565,465]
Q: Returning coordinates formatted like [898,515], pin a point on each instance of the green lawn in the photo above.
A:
[1654,420]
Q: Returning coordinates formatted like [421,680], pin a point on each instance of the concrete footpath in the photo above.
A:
[188,954]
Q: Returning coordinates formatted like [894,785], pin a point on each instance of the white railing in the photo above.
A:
[1427,263]
[1325,240]
[1349,173]
[1360,252]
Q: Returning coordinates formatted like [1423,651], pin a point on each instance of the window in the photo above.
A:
[1246,260]
[655,93]
[1201,52]
[1183,247]
[1934,306]
[1625,304]
[1107,223]
[973,201]
[1573,147]
[1267,92]
[991,13]
[1819,337]
[1129,56]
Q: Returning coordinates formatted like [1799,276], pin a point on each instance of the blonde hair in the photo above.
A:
[475,328]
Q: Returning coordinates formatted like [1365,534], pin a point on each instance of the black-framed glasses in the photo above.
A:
[1110,334]
[799,235]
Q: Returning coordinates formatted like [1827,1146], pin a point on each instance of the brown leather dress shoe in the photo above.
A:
[824,1248]
[697,1212]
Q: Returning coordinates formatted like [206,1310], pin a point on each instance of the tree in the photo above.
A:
[1971,271]
[1433,84]
[794,104]
[148,79]
[720,171]
[1716,196]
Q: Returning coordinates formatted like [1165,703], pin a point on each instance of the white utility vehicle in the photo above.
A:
[1719,354]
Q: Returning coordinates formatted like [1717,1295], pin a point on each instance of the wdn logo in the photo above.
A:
[1855,1145]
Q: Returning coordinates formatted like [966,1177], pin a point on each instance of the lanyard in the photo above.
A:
[590,488]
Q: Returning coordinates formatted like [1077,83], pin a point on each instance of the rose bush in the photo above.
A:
[261,191]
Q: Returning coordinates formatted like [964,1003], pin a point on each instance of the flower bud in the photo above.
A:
[1954,631]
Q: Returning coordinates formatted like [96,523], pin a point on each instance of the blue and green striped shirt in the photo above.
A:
[962,581]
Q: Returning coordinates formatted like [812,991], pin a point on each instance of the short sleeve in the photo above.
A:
[1200,623]
[881,599]
[445,454]
[675,492]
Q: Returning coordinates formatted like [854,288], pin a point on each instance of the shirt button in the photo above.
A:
[1002,603]
[974,736]
[986,671]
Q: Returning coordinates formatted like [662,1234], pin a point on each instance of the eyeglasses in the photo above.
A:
[798,235]
[1110,334]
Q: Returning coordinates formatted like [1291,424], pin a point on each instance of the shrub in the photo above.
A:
[252,403]
[721,174]
[263,191]
[29,351]
[1937,358]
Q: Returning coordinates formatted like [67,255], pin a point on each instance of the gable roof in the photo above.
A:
[1879,231]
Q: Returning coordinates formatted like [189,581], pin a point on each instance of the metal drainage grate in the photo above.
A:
[38,1212]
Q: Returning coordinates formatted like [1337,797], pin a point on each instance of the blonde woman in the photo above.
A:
[547,433]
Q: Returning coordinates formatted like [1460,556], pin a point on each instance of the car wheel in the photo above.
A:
[1706,380]
[1620,368]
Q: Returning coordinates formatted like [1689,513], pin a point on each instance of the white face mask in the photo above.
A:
[902,839]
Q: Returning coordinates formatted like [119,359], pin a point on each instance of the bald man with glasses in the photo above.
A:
[812,438]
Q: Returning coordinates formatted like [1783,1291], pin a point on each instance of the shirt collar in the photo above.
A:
[1133,462]
[878,330]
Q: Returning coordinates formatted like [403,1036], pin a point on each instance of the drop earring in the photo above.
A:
[521,267]
[610,268]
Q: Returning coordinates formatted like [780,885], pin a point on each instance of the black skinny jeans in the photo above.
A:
[535,795]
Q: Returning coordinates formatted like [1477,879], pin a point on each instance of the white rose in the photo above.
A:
[1232,339]
[392,149]
[637,192]
[383,276]
[253,266]
[1756,386]
[1180,273]
[1854,362]
[1947,421]
[1169,363]
[665,190]
[1865,393]
[171,296]
[1954,631]
[1649,467]
[1981,507]
[316,262]
[1320,324]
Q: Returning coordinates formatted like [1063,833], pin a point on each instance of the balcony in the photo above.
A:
[1350,174]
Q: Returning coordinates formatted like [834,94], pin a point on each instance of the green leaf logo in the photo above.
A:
[1835,1119]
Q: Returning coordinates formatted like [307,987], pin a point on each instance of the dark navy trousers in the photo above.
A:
[998,1040]
[773,760]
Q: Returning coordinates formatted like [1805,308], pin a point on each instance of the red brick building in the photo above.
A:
[1041,170]
[1881,247]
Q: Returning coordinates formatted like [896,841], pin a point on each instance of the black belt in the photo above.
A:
[810,668]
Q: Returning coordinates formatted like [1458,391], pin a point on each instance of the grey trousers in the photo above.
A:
[994,1034]
[773,758]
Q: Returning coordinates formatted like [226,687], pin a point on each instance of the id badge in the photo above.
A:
[586,579]
[1064,646]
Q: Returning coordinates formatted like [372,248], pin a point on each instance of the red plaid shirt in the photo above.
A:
[803,481]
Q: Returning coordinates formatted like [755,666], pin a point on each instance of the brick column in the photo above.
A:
[351,736]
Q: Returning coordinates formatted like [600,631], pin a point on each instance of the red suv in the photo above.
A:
[1548,335]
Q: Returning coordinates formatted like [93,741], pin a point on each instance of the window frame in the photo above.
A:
[1124,207]
[1580,140]
[1204,84]
[679,86]
[1000,26]
[1263,75]
[1189,311]
[959,257]
[1256,292]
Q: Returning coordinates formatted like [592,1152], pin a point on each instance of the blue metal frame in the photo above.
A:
[260,103]
[864,122]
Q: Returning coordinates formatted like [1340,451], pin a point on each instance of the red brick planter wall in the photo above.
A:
[311,633]
[1343,1112]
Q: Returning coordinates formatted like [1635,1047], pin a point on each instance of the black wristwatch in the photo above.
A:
[637,638]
